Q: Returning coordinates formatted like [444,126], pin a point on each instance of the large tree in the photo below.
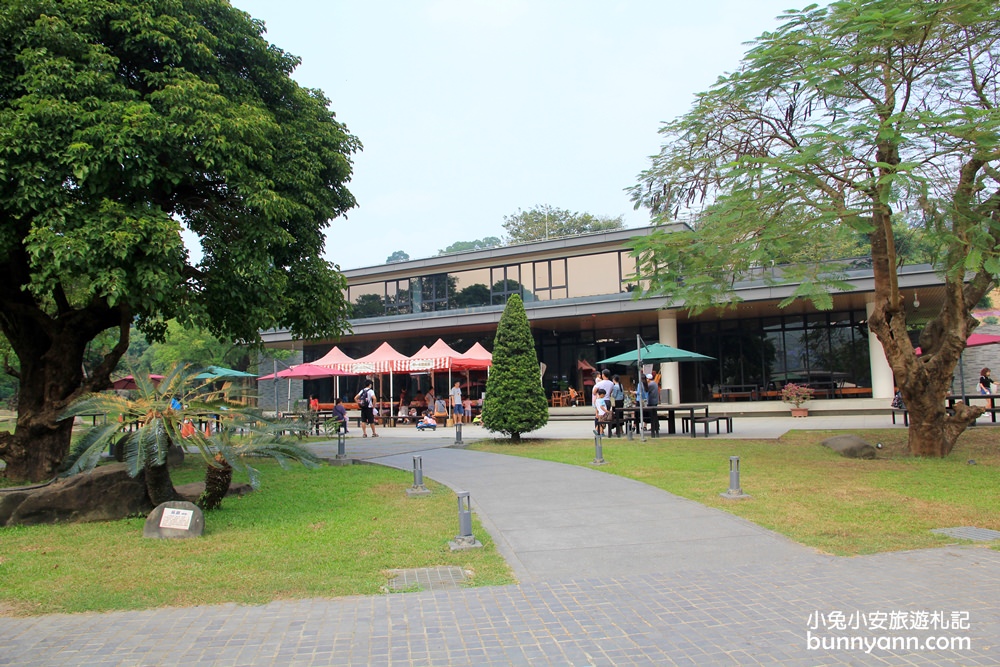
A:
[835,121]
[515,401]
[122,122]
[544,222]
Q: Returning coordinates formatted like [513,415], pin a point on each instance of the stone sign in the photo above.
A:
[176,518]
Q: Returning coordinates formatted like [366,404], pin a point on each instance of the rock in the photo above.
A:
[174,519]
[106,493]
[850,446]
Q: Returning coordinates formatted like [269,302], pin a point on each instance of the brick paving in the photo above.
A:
[733,608]
[742,616]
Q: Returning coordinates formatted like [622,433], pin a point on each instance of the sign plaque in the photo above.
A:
[176,518]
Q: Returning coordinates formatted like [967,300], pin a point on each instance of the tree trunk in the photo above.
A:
[933,432]
[925,381]
[50,352]
[217,481]
[159,486]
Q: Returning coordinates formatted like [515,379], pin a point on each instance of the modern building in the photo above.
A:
[581,300]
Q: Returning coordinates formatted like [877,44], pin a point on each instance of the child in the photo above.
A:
[602,411]
[427,422]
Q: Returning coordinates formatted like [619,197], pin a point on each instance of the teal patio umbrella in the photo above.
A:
[657,353]
[220,373]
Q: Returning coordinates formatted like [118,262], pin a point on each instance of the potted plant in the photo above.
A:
[797,394]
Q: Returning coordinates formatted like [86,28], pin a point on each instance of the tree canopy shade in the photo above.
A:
[515,401]
[122,122]
[542,222]
[835,122]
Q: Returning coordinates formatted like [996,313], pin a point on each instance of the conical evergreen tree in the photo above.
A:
[515,401]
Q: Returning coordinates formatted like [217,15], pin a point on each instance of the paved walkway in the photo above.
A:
[612,572]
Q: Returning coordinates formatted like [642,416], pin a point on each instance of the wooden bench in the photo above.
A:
[687,422]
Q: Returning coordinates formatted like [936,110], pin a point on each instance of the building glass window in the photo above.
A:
[367,300]
[472,288]
[504,282]
[550,279]
[593,275]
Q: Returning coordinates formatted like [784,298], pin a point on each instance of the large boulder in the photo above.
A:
[106,493]
[850,446]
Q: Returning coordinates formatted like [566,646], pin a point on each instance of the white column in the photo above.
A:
[669,372]
[882,382]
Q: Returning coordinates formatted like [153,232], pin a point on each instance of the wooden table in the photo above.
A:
[669,411]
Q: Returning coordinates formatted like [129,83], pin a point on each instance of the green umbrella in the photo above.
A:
[220,372]
[655,354]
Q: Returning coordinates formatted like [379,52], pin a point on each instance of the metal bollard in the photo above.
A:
[734,479]
[418,471]
[418,488]
[464,515]
[598,450]
[465,539]
[458,433]
[341,444]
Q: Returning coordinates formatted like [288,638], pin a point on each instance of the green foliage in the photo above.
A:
[398,256]
[834,124]
[121,118]
[150,421]
[123,122]
[479,244]
[191,345]
[543,222]
[515,401]
[835,121]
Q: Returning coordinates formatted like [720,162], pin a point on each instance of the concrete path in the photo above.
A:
[556,521]
[612,572]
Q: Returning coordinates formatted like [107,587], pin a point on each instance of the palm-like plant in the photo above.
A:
[257,439]
[152,419]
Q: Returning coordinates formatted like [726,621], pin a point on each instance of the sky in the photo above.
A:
[471,110]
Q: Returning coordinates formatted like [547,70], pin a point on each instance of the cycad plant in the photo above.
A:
[234,447]
[153,418]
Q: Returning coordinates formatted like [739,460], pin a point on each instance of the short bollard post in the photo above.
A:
[465,539]
[598,450]
[458,433]
[341,458]
[735,492]
[418,488]
[341,444]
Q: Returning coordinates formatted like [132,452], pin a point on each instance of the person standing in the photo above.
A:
[456,402]
[653,400]
[603,381]
[401,411]
[617,404]
[648,392]
[366,402]
[985,382]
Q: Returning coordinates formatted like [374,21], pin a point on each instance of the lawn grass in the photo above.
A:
[807,492]
[306,533]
